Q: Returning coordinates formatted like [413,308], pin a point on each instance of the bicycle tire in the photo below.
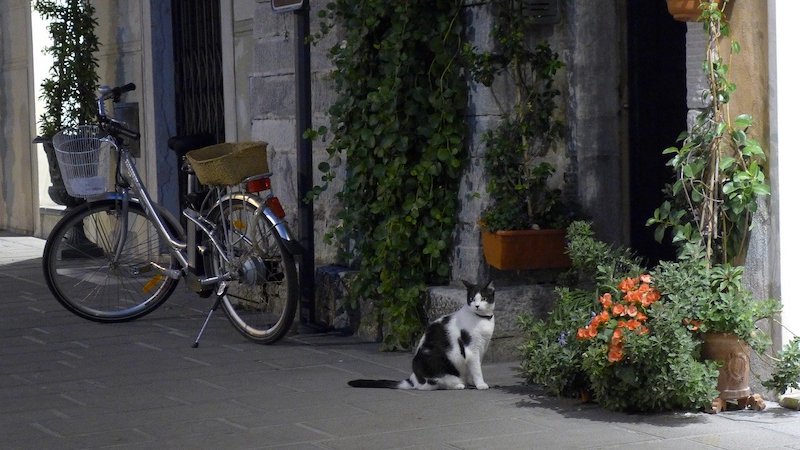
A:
[80,271]
[261,300]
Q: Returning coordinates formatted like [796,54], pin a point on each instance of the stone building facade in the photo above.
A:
[592,37]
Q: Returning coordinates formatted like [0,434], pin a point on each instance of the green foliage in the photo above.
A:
[714,299]
[660,370]
[69,91]
[551,355]
[517,173]
[598,262]
[398,126]
[787,369]
[719,169]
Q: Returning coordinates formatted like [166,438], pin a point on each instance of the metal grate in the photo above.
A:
[197,46]
[544,12]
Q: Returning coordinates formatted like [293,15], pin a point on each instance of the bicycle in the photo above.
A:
[119,256]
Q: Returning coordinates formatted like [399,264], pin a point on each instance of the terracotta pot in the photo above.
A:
[525,249]
[685,10]
[734,355]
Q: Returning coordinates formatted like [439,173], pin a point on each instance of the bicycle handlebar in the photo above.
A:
[117,128]
[112,126]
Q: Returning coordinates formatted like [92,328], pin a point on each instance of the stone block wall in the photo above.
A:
[272,94]
[591,157]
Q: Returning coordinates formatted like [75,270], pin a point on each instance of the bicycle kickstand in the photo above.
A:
[221,288]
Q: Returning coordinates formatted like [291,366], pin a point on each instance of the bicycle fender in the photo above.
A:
[294,247]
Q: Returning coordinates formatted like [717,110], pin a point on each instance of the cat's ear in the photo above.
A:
[468,285]
[490,285]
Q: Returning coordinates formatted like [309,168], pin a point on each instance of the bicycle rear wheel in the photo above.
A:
[84,275]
[261,300]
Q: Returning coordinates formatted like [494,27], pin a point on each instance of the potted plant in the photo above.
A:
[719,176]
[613,338]
[715,304]
[528,215]
[69,91]
[685,10]
[631,339]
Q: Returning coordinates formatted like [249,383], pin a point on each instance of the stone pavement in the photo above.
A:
[70,383]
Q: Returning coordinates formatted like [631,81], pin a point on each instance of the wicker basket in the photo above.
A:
[229,163]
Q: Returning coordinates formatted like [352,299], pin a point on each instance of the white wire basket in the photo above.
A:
[87,160]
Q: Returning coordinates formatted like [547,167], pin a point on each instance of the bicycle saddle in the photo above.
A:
[183,144]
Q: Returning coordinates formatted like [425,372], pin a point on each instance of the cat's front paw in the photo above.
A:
[482,386]
[459,386]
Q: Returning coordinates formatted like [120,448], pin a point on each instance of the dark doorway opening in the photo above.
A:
[657,114]
[197,46]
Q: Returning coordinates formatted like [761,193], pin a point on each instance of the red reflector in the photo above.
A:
[275,205]
[261,184]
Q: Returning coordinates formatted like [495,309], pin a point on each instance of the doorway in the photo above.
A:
[197,46]
[657,114]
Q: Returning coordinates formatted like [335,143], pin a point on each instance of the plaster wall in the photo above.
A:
[18,166]
[784,139]
[136,46]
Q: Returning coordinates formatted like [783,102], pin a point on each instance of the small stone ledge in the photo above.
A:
[511,302]
[362,320]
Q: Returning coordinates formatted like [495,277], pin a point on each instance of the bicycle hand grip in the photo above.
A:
[119,90]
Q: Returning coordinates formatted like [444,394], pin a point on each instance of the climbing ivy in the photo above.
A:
[398,126]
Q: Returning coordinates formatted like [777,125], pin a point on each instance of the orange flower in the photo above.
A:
[628,284]
[604,317]
[643,330]
[632,324]
[633,297]
[583,334]
[615,354]
[618,309]
[605,300]
[646,278]
[641,317]
[693,324]
[616,338]
[632,310]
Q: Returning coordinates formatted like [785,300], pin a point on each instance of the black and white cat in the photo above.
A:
[449,354]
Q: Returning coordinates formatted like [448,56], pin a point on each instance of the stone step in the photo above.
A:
[511,302]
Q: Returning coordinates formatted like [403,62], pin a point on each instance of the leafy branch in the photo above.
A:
[720,170]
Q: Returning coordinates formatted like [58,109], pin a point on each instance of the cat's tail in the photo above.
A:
[387,384]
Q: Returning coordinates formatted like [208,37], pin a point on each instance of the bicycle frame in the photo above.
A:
[177,247]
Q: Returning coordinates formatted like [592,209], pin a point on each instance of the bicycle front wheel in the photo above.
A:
[261,298]
[101,264]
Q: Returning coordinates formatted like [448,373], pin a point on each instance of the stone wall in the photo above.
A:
[590,158]
[272,94]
